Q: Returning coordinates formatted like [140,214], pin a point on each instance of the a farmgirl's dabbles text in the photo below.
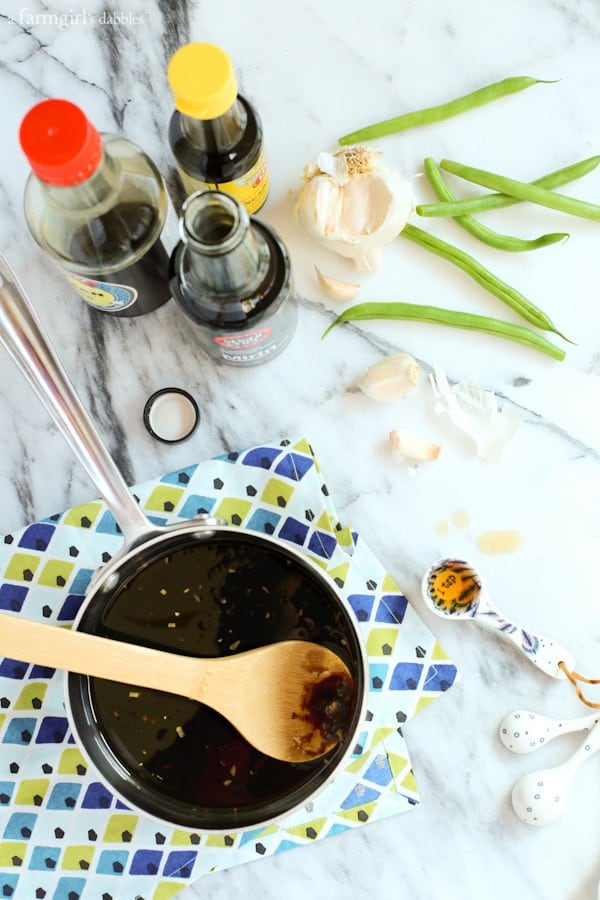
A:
[212,599]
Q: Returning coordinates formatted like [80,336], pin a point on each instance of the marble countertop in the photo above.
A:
[315,71]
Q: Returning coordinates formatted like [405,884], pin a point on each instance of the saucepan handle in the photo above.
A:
[23,335]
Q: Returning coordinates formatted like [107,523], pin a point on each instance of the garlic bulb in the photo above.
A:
[409,447]
[390,378]
[336,289]
[353,205]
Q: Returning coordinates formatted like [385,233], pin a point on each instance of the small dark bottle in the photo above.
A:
[215,134]
[96,204]
[231,275]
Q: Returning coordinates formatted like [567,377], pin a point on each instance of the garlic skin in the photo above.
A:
[353,205]
[337,290]
[476,412]
[410,447]
[390,378]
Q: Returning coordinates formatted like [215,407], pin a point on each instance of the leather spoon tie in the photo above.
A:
[291,700]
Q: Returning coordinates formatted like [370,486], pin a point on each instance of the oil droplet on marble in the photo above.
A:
[461,518]
[500,541]
[442,529]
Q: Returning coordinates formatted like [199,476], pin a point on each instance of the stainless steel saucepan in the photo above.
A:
[201,587]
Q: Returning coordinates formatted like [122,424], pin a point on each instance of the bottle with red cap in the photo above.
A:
[97,205]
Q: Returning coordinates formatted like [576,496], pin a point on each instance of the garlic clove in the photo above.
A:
[335,166]
[390,378]
[319,206]
[337,290]
[410,447]
[353,205]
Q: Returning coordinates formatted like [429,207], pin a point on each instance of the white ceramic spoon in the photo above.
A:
[523,731]
[539,798]
[452,588]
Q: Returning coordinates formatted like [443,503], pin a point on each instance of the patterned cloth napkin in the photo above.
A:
[63,834]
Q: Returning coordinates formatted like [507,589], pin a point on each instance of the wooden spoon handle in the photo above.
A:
[89,654]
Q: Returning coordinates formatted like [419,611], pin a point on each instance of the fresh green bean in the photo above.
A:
[437,315]
[482,232]
[443,111]
[482,276]
[524,191]
[498,201]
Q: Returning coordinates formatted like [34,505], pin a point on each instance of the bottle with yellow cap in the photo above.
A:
[215,134]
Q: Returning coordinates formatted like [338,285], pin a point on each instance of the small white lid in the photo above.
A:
[171,415]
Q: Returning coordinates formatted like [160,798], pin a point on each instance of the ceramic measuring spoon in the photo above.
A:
[523,731]
[452,588]
[539,798]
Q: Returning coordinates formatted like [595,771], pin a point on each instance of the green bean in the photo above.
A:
[437,315]
[443,111]
[524,191]
[498,201]
[482,276]
[482,232]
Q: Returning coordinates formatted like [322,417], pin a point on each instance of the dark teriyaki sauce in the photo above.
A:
[329,706]
[214,598]
[120,233]
[238,313]
[210,164]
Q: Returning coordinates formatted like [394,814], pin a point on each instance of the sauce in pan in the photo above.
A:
[216,598]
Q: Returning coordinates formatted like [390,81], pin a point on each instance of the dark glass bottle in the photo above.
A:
[215,134]
[231,275]
[96,204]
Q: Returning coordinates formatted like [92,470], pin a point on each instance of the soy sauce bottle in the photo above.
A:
[96,204]
[215,134]
[231,275]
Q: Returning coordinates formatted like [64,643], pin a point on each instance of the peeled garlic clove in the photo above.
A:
[390,378]
[338,290]
[409,447]
[353,205]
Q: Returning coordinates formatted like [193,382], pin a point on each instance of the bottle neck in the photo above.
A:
[89,193]
[216,135]
[224,255]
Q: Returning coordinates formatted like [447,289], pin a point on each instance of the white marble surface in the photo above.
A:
[316,70]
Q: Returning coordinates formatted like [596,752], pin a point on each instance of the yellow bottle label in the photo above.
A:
[102,294]
[250,190]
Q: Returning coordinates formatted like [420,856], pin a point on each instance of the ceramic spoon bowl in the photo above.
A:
[539,798]
[453,589]
[523,731]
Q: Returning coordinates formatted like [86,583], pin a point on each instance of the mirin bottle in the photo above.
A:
[215,134]
[231,275]
[96,204]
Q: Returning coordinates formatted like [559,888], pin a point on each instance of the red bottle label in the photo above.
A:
[243,341]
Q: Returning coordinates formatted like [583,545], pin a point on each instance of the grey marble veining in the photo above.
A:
[317,70]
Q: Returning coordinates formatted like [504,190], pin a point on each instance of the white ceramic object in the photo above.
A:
[523,731]
[452,588]
[539,798]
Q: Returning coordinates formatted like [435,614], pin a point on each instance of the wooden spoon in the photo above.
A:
[291,700]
